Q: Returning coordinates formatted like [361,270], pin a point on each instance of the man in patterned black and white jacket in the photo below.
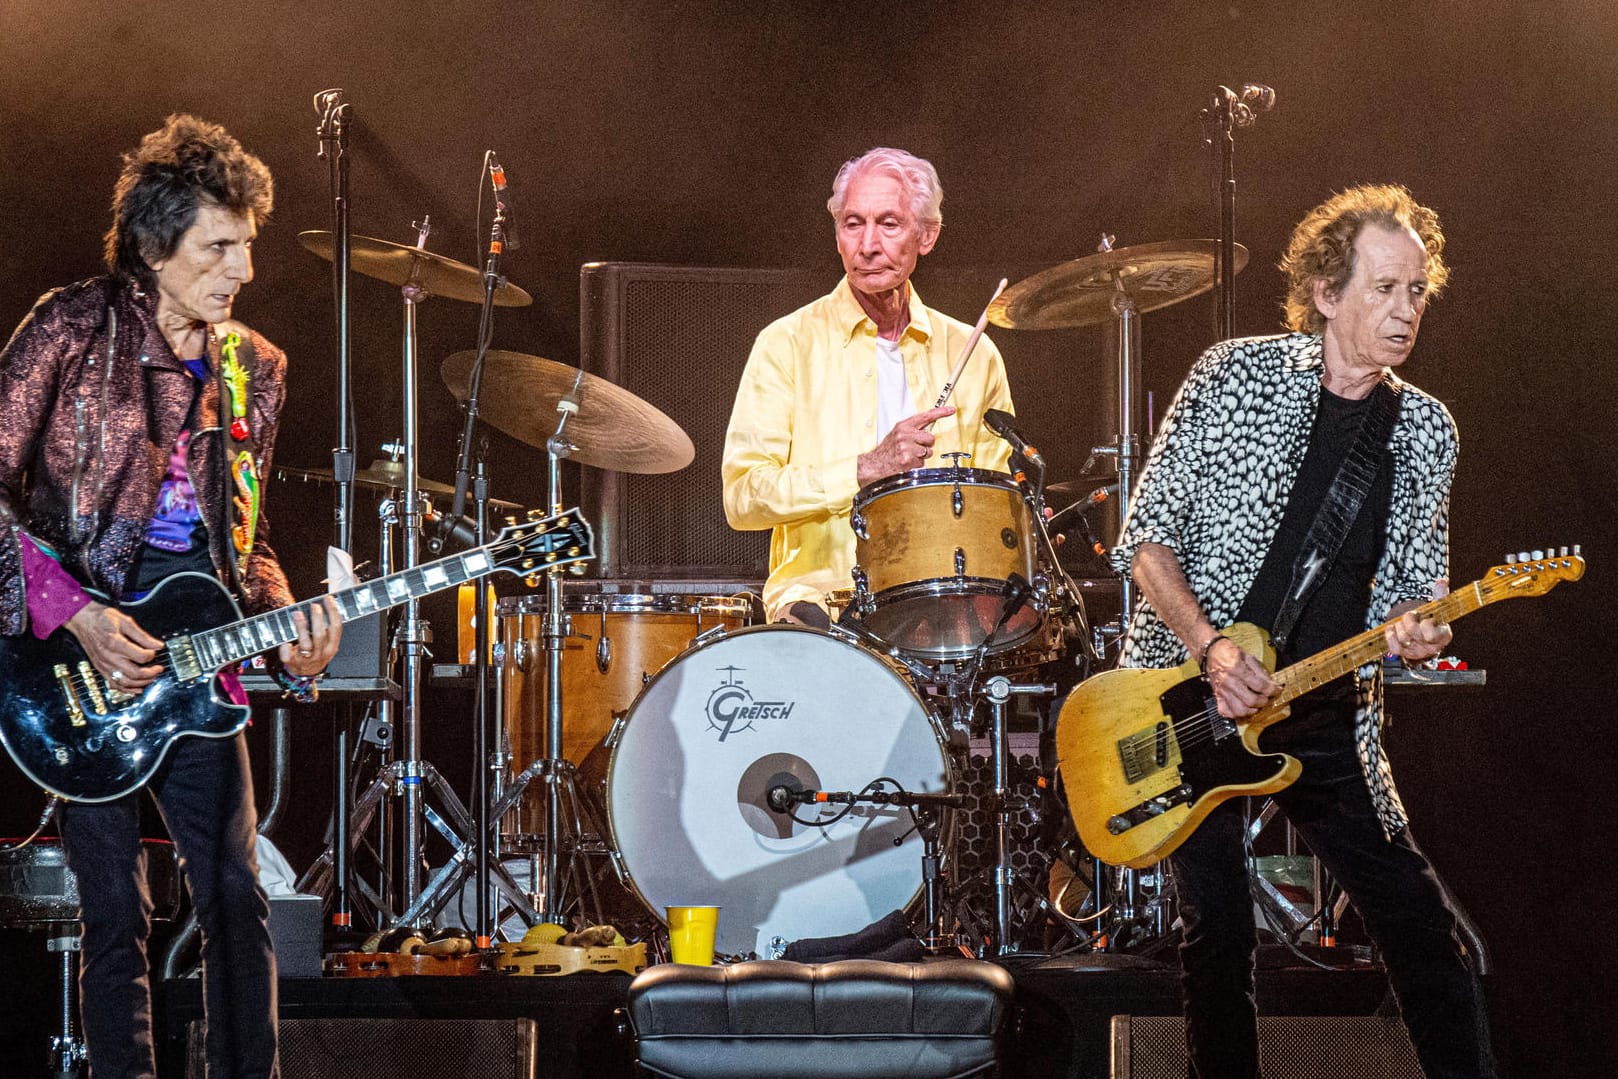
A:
[1232,485]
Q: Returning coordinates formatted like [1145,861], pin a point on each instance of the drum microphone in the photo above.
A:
[782,798]
[502,204]
[1002,424]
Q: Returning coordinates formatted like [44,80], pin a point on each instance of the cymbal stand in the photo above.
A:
[413,638]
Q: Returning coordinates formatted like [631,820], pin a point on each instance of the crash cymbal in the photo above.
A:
[382,475]
[398,264]
[1080,292]
[612,428]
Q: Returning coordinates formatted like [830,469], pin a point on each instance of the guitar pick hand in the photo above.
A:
[117,646]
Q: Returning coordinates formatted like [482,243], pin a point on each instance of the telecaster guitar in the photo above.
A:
[75,734]
[1145,756]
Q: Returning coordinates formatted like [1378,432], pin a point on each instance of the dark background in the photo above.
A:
[707,134]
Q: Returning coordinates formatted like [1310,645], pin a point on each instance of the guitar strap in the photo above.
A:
[1340,506]
[242,487]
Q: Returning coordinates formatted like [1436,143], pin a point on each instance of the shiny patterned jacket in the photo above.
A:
[1215,487]
[91,401]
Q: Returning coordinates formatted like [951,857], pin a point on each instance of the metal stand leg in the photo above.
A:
[68,1054]
[998,690]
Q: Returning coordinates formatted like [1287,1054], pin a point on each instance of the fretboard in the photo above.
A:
[239,640]
[1367,647]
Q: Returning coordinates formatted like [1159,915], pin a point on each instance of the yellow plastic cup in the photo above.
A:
[691,931]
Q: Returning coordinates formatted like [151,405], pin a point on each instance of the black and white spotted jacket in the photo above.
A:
[1215,487]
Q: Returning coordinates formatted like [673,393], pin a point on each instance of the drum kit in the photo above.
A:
[655,748]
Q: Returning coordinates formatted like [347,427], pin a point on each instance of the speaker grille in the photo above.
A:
[393,1048]
[1290,1047]
[678,337]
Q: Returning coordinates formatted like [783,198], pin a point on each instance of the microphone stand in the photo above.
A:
[480,607]
[1228,112]
[335,115]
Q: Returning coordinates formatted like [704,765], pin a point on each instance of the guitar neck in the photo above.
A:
[555,541]
[1370,646]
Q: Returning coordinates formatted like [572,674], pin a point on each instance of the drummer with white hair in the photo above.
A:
[839,393]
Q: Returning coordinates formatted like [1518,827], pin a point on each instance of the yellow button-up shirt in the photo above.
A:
[807,408]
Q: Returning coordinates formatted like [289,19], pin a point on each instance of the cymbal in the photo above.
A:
[1080,292]
[382,475]
[612,428]
[399,264]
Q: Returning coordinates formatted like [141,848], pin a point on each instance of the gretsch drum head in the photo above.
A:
[736,715]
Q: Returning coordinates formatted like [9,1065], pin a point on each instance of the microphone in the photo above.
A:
[1258,97]
[1002,424]
[502,203]
[462,530]
[782,797]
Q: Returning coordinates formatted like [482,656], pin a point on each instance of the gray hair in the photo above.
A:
[916,175]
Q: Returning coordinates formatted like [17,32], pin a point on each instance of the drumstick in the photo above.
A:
[971,343]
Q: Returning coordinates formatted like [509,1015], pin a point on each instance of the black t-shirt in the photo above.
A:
[1336,611]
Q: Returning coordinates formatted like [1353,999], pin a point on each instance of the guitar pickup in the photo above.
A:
[1145,751]
[64,679]
[1120,823]
[92,686]
[182,653]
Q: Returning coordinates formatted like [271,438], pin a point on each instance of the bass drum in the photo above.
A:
[736,715]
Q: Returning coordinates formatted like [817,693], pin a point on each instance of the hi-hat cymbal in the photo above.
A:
[1080,292]
[612,428]
[399,264]
[382,475]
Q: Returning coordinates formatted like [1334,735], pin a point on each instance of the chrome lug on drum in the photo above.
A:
[935,559]
[736,715]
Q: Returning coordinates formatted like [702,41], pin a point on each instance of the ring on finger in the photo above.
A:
[116,676]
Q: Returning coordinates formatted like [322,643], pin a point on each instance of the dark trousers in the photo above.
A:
[205,794]
[1397,894]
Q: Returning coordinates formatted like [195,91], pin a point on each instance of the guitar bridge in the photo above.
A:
[64,679]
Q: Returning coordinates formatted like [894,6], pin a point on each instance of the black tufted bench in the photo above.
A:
[854,1019]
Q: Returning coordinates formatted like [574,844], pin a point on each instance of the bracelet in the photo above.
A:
[1202,656]
[304,689]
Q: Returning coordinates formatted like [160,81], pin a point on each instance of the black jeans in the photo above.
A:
[1392,885]
[205,793]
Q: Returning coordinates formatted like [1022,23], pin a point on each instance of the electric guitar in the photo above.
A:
[1145,756]
[76,734]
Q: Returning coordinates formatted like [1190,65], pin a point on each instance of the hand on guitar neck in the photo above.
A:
[1414,638]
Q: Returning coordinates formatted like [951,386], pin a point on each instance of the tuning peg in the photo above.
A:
[1511,559]
[1539,556]
[1522,556]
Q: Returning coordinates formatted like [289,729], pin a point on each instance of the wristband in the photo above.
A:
[301,688]
[1202,656]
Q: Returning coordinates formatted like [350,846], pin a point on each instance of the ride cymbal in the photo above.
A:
[400,264]
[1080,292]
[612,428]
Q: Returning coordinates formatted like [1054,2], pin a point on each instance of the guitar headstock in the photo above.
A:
[537,543]
[1533,573]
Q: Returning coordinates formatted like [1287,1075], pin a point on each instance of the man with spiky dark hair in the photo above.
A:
[136,420]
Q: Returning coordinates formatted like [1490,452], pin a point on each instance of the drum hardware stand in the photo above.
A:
[567,819]
[335,115]
[997,691]
[68,1053]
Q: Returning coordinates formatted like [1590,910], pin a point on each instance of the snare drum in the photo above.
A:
[615,642]
[692,763]
[935,550]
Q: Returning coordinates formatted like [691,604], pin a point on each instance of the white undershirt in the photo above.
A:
[892,391]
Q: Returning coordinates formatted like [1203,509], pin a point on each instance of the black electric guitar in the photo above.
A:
[1145,756]
[77,735]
